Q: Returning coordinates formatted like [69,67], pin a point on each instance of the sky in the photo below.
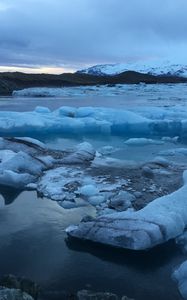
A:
[56,36]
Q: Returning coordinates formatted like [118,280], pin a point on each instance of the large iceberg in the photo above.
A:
[139,122]
[161,220]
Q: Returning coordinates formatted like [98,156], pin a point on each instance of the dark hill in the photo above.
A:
[15,81]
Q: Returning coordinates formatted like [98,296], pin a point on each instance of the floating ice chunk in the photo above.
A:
[83,112]
[83,153]
[68,204]
[16,180]
[180,275]
[142,142]
[73,203]
[42,110]
[38,92]
[174,139]
[96,200]
[56,182]
[163,219]
[23,163]
[19,169]
[66,111]
[88,190]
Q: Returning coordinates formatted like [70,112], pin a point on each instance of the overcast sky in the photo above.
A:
[65,35]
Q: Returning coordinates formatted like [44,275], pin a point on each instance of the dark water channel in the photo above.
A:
[33,243]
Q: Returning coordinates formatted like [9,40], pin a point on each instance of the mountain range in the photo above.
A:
[97,75]
[153,68]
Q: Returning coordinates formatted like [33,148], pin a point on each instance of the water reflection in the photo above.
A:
[33,244]
[9,194]
[149,260]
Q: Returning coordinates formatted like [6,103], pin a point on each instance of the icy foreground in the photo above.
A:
[79,177]
[163,219]
[23,161]
[145,121]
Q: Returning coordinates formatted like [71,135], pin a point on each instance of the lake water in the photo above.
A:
[33,244]
[119,96]
[32,238]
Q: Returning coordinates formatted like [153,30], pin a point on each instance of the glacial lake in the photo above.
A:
[33,242]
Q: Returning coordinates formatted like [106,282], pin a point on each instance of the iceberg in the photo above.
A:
[24,160]
[139,122]
[161,220]
[19,169]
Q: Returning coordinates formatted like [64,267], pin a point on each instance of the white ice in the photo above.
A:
[143,142]
[19,169]
[161,220]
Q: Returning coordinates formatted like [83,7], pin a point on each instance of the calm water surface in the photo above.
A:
[33,244]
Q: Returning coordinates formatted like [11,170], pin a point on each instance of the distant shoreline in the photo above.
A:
[16,81]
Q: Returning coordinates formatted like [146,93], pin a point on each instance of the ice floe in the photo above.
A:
[20,169]
[163,219]
[24,160]
[76,185]
[146,92]
[143,142]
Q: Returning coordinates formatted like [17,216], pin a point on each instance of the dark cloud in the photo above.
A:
[79,32]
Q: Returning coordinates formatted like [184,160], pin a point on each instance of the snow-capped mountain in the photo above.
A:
[154,68]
